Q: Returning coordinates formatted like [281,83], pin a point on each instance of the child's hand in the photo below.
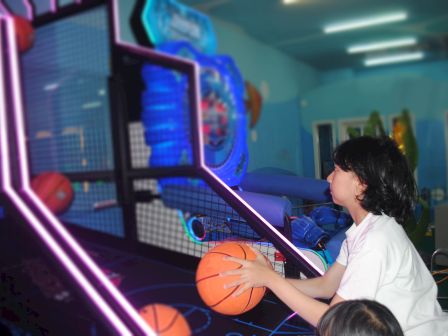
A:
[253,273]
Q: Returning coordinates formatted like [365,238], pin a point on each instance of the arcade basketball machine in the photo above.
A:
[122,122]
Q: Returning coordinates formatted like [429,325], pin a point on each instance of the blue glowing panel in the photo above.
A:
[166,117]
[223,113]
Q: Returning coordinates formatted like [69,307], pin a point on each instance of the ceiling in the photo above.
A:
[298,29]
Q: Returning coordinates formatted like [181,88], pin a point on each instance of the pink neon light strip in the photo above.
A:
[53,6]
[29,10]
[37,226]
[25,185]
[3,9]
[198,113]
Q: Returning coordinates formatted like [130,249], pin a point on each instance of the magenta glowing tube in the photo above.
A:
[29,9]
[53,6]
[3,9]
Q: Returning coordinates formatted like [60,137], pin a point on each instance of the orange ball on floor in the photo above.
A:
[210,284]
[165,320]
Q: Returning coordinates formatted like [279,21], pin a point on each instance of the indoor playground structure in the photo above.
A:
[122,165]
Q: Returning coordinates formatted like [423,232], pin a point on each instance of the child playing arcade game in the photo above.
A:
[377,261]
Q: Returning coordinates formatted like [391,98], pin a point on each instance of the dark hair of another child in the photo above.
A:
[381,166]
[358,318]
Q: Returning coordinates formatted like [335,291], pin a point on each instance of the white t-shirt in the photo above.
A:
[383,265]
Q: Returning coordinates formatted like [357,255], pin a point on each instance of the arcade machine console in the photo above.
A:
[136,226]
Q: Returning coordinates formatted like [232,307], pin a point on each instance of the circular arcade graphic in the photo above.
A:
[218,109]
[166,116]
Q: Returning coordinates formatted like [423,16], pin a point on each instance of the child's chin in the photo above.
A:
[335,201]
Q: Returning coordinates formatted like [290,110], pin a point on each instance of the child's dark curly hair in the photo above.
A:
[380,165]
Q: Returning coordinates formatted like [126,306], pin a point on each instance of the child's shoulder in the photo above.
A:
[385,231]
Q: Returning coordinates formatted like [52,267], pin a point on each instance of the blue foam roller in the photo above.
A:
[273,208]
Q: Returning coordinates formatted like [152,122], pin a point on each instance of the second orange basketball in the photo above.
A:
[165,320]
[210,284]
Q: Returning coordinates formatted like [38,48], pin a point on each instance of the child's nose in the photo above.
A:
[330,177]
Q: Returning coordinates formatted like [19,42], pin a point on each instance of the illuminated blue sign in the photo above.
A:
[168,20]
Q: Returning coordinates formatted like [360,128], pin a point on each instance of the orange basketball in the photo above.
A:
[210,284]
[24,33]
[55,191]
[165,320]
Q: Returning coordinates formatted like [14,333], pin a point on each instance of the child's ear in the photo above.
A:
[361,188]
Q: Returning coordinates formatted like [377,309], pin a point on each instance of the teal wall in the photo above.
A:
[422,89]
[276,140]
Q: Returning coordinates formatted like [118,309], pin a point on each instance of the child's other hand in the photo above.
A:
[252,273]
